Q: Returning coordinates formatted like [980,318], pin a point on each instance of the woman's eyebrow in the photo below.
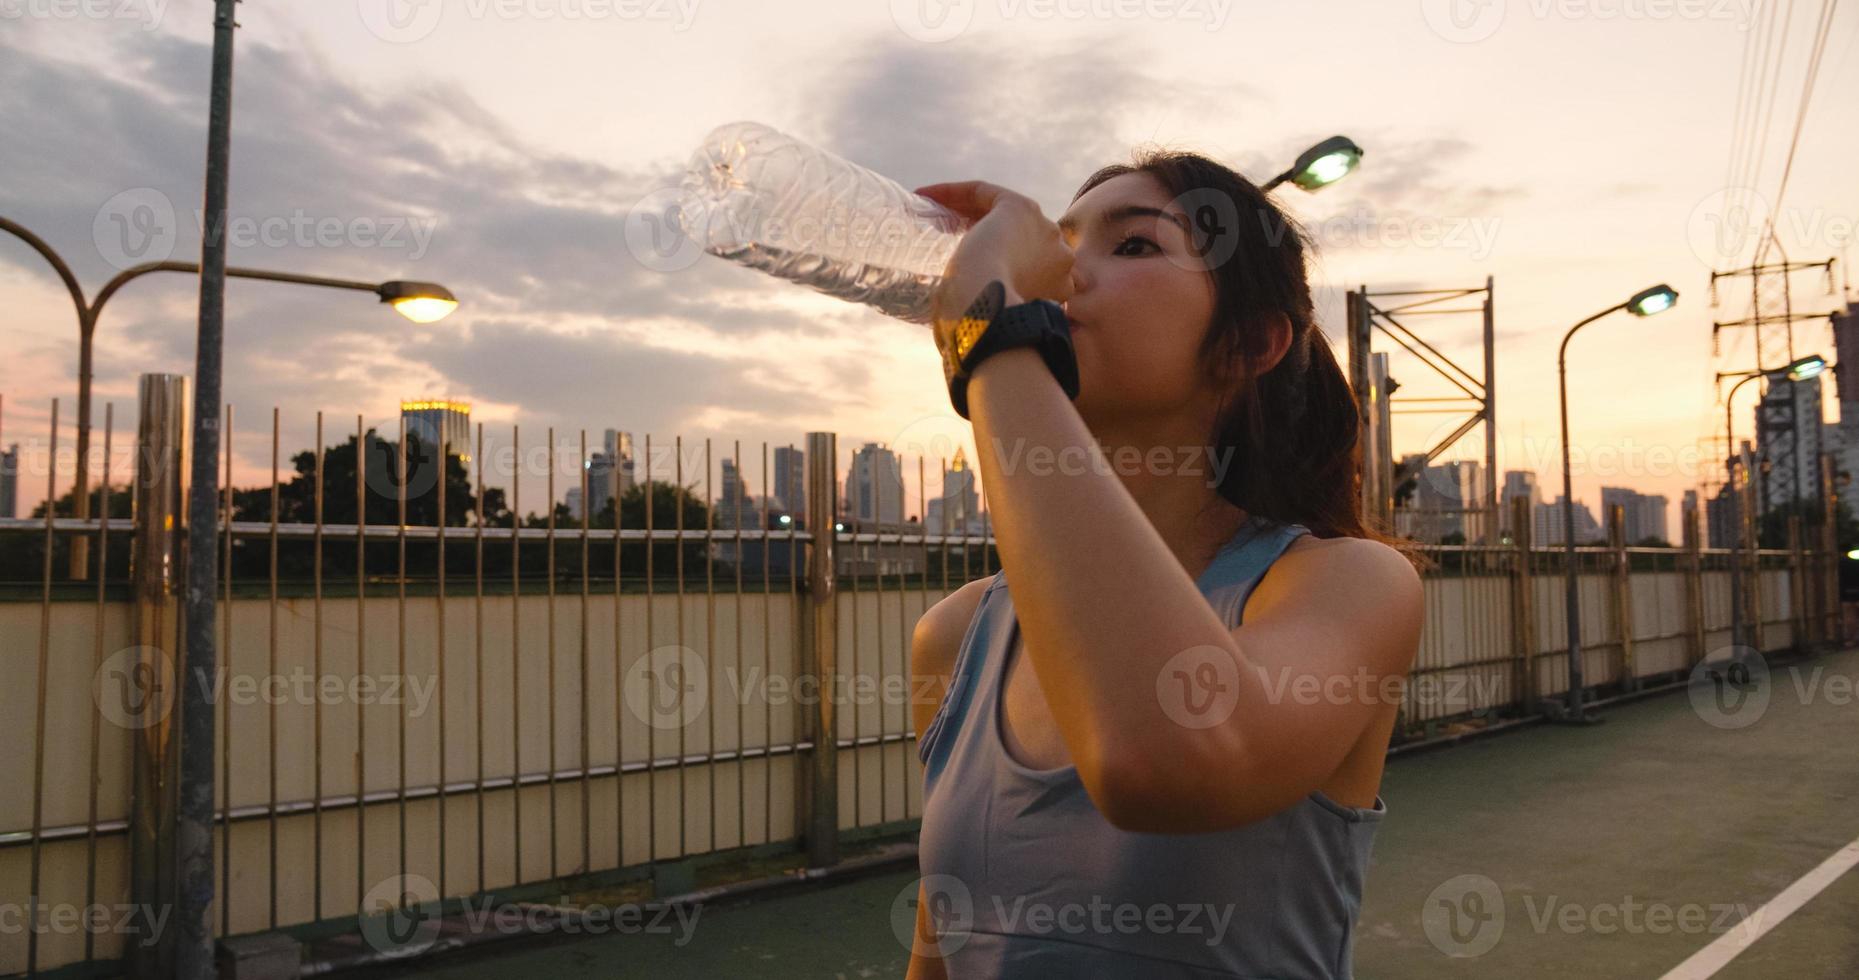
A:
[1069,225]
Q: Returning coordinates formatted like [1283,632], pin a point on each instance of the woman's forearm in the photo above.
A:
[1103,601]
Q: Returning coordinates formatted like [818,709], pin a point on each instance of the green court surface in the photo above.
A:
[1614,851]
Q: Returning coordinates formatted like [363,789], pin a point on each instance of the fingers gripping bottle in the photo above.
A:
[756,196]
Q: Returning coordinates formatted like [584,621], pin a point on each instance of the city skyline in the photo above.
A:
[559,315]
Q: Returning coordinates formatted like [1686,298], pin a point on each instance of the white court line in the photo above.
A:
[1707,961]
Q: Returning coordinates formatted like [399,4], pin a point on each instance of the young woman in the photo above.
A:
[1155,759]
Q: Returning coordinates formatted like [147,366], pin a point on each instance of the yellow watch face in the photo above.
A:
[967,332]
[974,323]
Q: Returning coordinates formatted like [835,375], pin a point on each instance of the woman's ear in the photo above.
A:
[1278,331]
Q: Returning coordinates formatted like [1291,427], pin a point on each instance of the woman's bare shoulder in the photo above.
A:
[938,635]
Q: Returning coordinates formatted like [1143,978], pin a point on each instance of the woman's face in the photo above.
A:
[1141,303]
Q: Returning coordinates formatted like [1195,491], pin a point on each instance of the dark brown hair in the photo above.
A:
[1292,430]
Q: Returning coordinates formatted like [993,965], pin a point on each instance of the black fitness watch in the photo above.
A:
[989,327]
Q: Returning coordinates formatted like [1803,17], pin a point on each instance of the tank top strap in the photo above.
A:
[987,631]
[1230,578]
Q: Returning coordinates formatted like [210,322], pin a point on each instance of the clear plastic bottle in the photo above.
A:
[757,196]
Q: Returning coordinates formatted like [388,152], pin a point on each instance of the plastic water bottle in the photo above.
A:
[757,196]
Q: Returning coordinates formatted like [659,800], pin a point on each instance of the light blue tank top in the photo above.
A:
[1024,878]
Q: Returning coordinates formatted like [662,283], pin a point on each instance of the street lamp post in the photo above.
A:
[421,302]
[1321,165]
[1647,302]
[1799,370]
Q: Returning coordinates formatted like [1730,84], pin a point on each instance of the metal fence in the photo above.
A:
[410,713]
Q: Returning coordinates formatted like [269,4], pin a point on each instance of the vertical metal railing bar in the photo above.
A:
[445,465]
[942,545]
[548,504]
[587,762]
[619,675]
[768,630]
[400,639]
[987,562]
[223,744]
[516,652]
[38,722]
[710,633]
[903,647]
[853,667]
[651,730]
[967,575]
[677,497]
[96,733]
[271,664]
[316,656]
[742,741]
[477,643]
[910,716]
[884,786]
[793,594]
[361,659]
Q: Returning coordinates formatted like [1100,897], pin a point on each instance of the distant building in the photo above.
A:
[1446,501]
[439,422]
[9,482]
[572,500]
[1687,506]
[1517,483]
[1642,516]
[1547,527]
[1793,453]
[874,492]
[1722,520]
[734,507]
[959,501]
[791,481]
[1845,442]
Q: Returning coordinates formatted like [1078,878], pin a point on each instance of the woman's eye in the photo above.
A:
[1138,239]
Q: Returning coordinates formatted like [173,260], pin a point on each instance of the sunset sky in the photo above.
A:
[1576,151]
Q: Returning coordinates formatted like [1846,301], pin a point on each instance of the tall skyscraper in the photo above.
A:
[959,503]
[1517,483]
[440,422]
[1642,516]
[1549,521]
[1792,452]
[1443,502]
[9,482]
[791,480]
[875,486]
[734,507]
[618,447]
